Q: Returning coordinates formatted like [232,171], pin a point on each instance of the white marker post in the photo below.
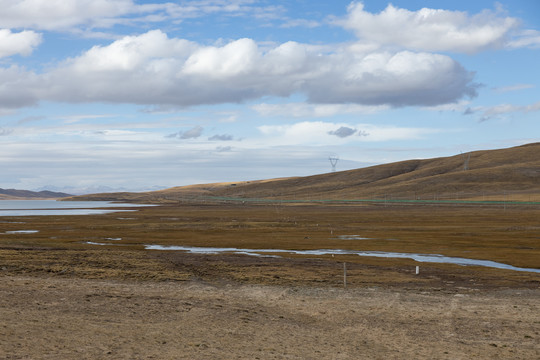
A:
[417,270]
[344,275]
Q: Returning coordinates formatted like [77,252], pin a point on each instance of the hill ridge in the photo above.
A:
[491,174]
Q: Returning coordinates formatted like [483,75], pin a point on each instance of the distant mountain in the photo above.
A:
[92,189]
[7,194]
[478,175]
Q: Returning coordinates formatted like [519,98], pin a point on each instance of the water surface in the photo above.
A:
[53,207]
[432,258]
[21,232]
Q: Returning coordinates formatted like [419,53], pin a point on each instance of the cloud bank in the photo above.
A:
[152,68]
[396,60]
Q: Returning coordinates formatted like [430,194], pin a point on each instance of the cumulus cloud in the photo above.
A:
[18,87]
[396,79]
[430,29]
[153,69]
[343,132]
[23,42]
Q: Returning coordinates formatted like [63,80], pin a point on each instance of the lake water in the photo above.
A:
[53,207]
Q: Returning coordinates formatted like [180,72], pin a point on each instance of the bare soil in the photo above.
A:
[62,298]
[59,318]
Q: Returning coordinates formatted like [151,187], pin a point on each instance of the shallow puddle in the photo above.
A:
[22,232]
[353,237]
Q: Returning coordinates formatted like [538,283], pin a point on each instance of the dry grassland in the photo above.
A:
[62,298]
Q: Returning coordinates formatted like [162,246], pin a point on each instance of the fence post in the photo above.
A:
[344,275]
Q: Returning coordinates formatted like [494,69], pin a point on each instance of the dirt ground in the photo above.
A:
[62,298]
[63,318]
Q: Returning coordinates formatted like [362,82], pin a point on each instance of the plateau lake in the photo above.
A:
[54,207]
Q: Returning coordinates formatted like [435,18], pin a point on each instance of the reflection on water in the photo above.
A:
[433,258]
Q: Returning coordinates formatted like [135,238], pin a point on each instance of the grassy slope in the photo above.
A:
[491,175]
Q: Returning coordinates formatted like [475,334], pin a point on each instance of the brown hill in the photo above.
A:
[505,174]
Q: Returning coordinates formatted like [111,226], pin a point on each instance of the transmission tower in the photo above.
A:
[333,161]
[466,162]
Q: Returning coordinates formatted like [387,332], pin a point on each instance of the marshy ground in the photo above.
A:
[64,297]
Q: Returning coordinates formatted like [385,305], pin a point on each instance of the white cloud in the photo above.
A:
[228,117]
[23,42]
[396,79]
[236,58]
[490,112]
[508,108]
[73,15]
[527,38]
[429,29]
[152,51]
[300,23]
[516,87]
[198,8]
[319,133]
[60,14]
[154,69]
[459,106]
[17,87]
[314,110]
[5,132]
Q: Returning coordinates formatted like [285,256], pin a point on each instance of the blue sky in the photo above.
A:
[138,95]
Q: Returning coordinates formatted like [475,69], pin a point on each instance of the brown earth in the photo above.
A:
[63,298]
[63,318]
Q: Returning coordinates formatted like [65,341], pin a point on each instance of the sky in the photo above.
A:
[133,95]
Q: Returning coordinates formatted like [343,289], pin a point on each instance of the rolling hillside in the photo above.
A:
[487,175]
